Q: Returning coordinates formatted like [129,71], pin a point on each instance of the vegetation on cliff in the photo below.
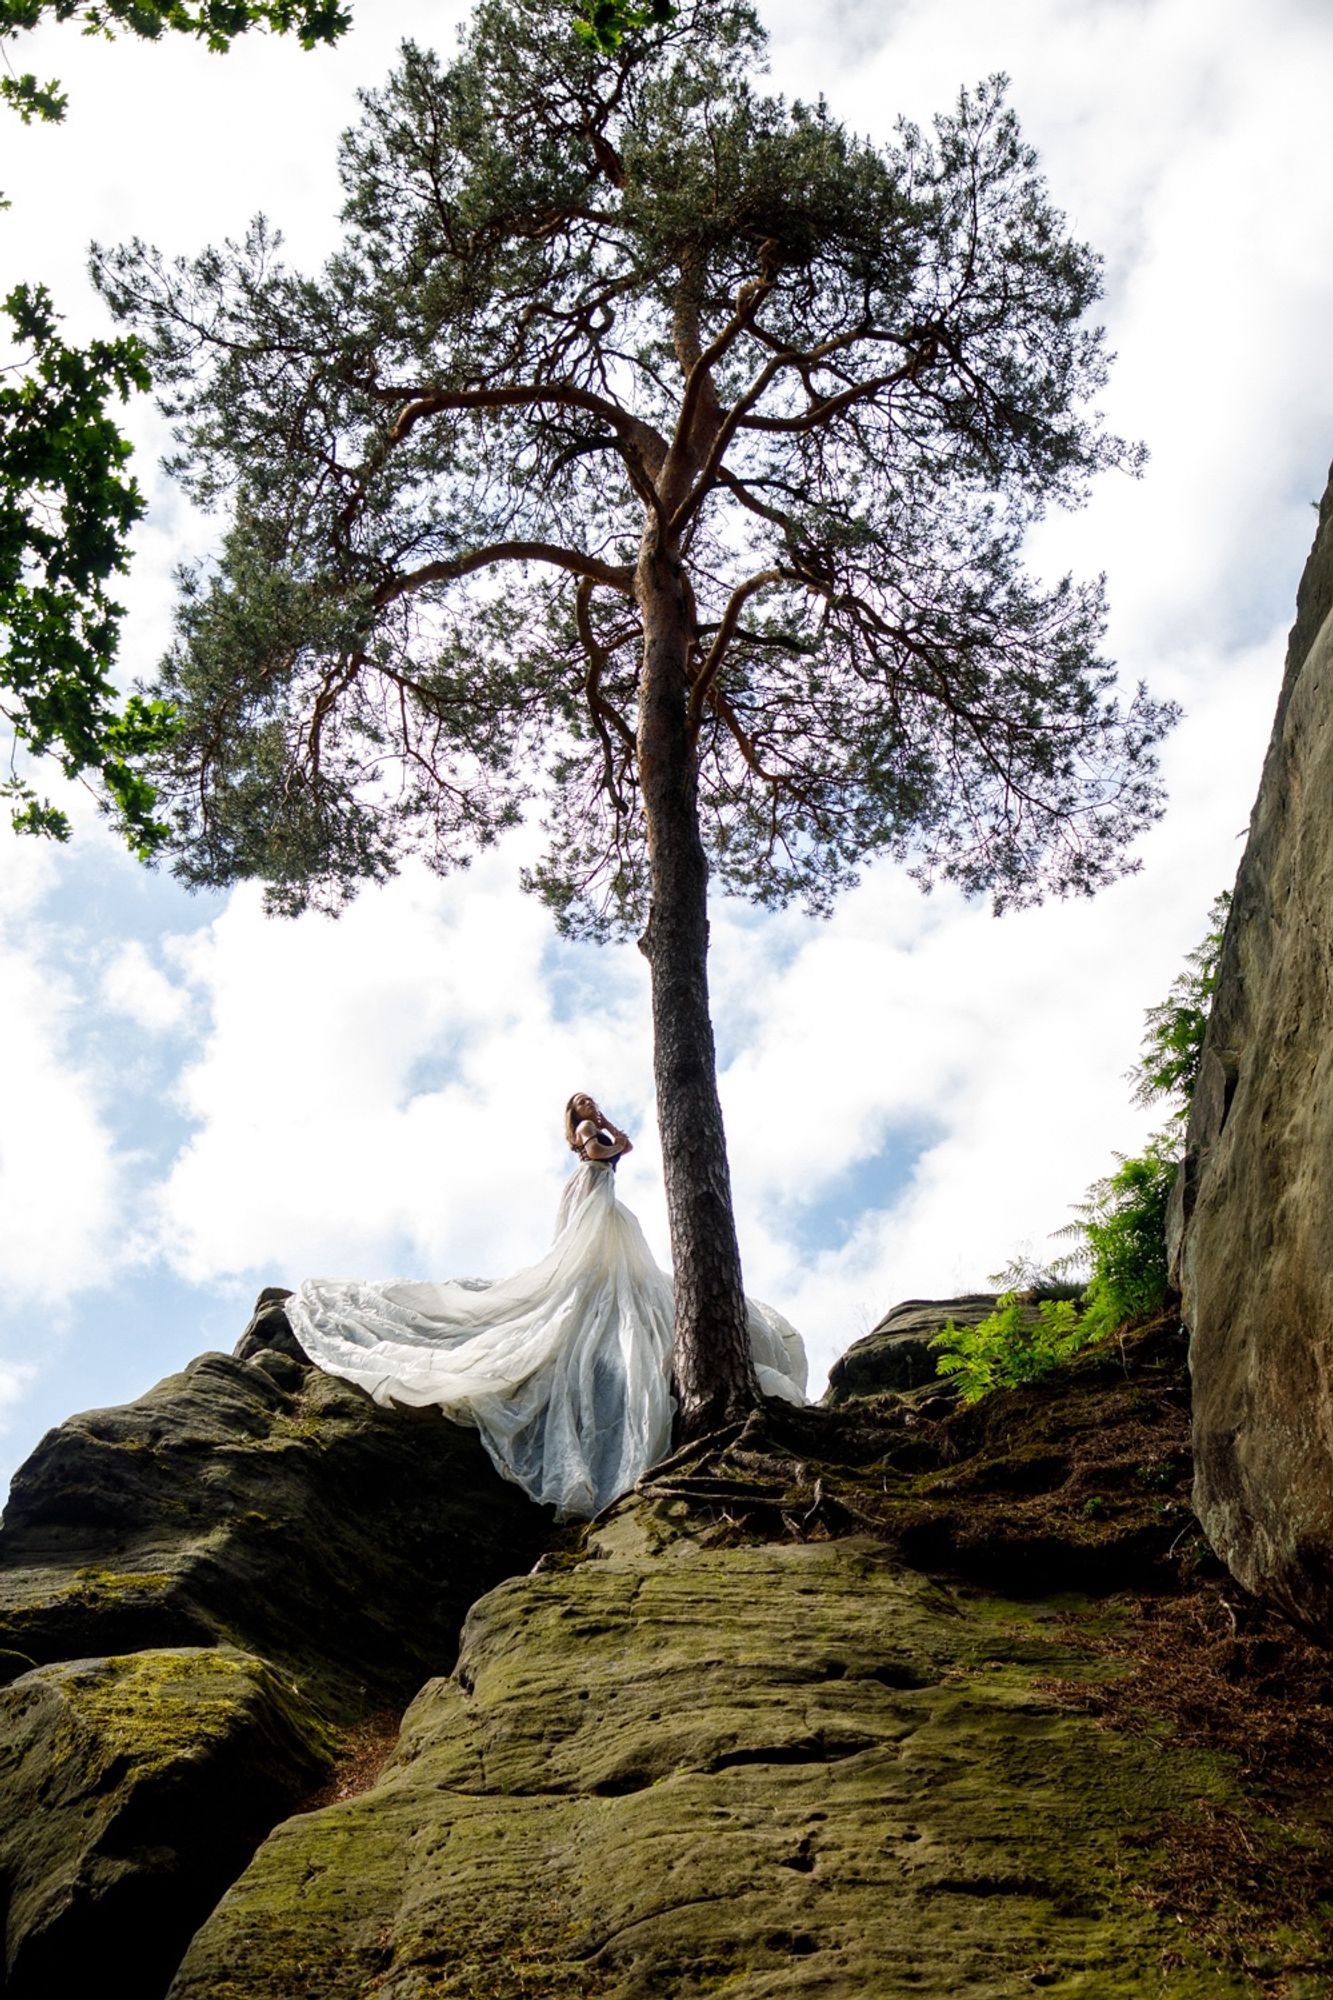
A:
[1042,1318]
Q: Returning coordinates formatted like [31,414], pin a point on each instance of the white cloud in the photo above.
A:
[132,985]
[16,1379]
[28,875]
[60,1175]
[390,1084]
[1012,1038]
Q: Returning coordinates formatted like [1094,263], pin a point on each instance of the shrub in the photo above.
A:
[1124,1224]
[1013,1345]
[1119,1234]
[1168,1064]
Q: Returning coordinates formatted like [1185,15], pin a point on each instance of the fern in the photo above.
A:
[1011,1346]
[1116,1263]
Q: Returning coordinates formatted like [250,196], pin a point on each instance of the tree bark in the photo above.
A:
[713,1367]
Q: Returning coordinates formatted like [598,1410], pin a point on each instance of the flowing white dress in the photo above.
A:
[563,1368]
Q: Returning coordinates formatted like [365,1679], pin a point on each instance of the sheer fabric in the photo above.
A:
[563,1368]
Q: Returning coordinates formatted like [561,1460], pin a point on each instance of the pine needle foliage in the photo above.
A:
[589,300]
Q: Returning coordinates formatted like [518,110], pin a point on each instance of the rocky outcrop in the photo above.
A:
[771,1771]
[901,1697]
[897,1354]
[247,1560]
[255,1501]
[133,1790]
[1252,1223]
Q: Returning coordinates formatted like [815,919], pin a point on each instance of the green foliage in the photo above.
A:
[215,22]
[586,302]
[1123,1222]
[604,24]
[67,503]
[1174,1029]
[1119,1231]
[1017,1343]
[66,507]
[45,102]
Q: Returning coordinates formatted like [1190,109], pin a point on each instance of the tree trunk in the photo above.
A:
[713,1367]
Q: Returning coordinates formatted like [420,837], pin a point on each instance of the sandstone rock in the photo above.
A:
[132,1791]
[897,1356]
[897,1353]
[1252,1221]
[709,1747]
[771,1771]
[305,1524]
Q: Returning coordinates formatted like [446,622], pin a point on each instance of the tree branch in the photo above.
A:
[789,357]
[599,708]
[649,444]
[832,406]
[616,576]
[701,691]
[748,301]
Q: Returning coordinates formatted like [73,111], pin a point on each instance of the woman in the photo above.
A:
[564,1368]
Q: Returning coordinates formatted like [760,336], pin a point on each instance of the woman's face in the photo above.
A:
[583,1107]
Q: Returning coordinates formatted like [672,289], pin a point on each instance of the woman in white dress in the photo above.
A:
[565,1367]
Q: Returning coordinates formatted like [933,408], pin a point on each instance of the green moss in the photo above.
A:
[156,1709]
[763,1772]
[109,1583]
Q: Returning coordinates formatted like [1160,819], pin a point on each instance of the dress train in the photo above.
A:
[562,1368]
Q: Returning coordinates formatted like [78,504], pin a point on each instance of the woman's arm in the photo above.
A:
[592,1140]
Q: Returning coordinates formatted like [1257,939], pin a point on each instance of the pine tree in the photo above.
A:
[661,449]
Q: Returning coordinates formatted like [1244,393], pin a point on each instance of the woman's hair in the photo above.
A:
[572,1123]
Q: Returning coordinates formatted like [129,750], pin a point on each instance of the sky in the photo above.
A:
[200,1100]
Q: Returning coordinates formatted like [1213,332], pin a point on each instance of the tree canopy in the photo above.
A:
[891,348]
[67,499]
[66,507]
[661,450]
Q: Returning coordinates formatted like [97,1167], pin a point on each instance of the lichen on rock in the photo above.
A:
[777,1770]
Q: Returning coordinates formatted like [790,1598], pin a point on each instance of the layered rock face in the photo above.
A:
[1253,1221]
[897,1353]
[765,1772]
[198,1594]
[900,1698]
